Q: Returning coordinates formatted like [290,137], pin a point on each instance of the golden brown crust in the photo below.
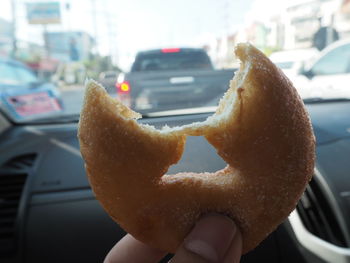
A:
[266,139]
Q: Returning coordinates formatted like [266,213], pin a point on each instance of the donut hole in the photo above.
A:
[198,157]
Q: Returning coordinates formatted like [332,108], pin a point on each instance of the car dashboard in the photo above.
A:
[48,213]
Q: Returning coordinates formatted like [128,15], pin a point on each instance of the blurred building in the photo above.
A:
[221,51]
[342,19]
[306,22]
[302,24]
[297,24]
[275,29]
[257,34]
[69,46]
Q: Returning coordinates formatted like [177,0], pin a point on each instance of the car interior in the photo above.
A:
[48,212]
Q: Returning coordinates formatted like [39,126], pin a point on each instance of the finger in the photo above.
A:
[208,241]
[128,249]
[234,253]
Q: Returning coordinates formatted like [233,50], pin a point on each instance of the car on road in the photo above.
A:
[170,78]
[329,75]
[23,94]
[293,61]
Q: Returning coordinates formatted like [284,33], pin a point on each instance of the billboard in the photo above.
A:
[43,13]
[69,46]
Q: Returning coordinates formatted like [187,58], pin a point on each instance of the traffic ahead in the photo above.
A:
[172,78]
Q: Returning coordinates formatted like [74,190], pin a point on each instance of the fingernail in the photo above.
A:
[211,237]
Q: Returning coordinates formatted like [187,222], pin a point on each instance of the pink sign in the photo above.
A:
[35,103]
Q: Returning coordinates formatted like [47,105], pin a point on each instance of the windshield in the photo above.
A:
[161,56]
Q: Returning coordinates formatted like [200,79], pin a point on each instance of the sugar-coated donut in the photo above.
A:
[261,129]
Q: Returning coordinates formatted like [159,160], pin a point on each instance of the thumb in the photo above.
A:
[214,238]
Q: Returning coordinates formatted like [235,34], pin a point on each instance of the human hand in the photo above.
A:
[214,238]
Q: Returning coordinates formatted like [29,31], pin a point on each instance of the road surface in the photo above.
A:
[72,97]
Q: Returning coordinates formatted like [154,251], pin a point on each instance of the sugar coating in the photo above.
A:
[260,128]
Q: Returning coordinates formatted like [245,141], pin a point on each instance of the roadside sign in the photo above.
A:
[43,13]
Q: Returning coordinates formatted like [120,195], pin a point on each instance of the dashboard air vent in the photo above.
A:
[20,162]
[318,217]
[13,175]
[11,186]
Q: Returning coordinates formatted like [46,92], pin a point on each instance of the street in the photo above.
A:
[72,97]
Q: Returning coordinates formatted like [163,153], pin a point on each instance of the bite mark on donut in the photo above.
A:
[260,129]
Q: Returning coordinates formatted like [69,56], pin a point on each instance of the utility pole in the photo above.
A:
[110,37]
[94,19]
[46,41]
[68,15]
[227,17]
[111,31]
[14,25]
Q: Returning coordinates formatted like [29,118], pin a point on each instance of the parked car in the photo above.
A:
[329,75]
[292,62]
[164,79]
[23,94]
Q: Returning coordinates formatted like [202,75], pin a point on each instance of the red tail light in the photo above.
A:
[170,50]
[123,92]
[123,87]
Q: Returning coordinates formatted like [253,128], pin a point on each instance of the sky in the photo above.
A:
[123,27]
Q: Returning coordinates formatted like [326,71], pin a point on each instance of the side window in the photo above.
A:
[336,61]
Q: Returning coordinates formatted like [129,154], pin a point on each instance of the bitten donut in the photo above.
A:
[261,129]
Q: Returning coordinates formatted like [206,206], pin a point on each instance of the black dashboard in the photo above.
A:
[48,212]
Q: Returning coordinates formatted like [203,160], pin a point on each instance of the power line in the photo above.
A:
[94,19]
[14,27]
